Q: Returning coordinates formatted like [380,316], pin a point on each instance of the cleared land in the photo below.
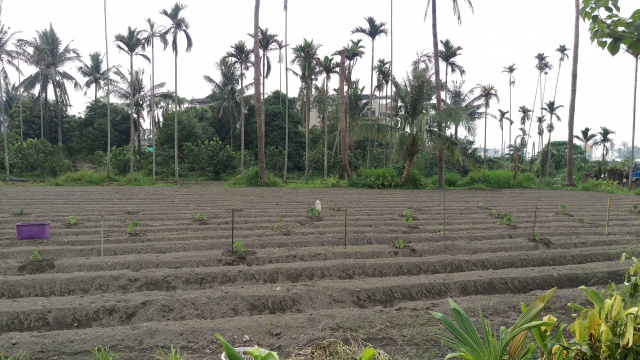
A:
[176,282]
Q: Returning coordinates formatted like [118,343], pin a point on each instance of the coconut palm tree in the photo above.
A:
[434,33]
[267,43]
[605,141]
[509,70]
[563,56]
[240,56]
[94,73]
[373,30]
[280,45]
[458,97]
[551,109]
[326,67]
[353,51]
[150,35]
[342,114]
[305,55]
[7,58]
[179,25]
[132,44]
[286,101]
[572,100]
[540,120]
[486,93]
[49,56]
[502,116]
[257,99]
[448,55]
[541,58]
[383,78]
[585,137]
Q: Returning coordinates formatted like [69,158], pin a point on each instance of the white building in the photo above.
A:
[491,153]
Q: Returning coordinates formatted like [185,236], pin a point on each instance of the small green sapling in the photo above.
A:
[35,255]
[72,220]
[133,225]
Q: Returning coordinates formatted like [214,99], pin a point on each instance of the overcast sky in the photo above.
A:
[499,33]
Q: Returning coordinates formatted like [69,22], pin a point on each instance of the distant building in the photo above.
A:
[589,150]
[201,102]
[491,153]
[378,110]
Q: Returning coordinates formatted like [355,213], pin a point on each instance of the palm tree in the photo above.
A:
[563,56]
[280,45]
[106,45]
[486,93]
[240,56]
[305,56]
[436,53]
[150,35]
[179,25]
[541,58]
[258,100]
[94,73]
[326,67]
[286,101]
[509,70]
[605,141]
[267,43]
[131,44]
[373,30]
[353,51]
[7,58]
[225,94]
[465,99]
[572,101]
[585,137]
[551,109]
[502,116]
[540,120]
[342,113]
[636,56]
[49,57]
[448,55]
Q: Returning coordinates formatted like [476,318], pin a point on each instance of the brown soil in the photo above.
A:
[179,283]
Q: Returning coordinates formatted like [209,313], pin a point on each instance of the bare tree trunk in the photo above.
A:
[175,118]
[572,101]
[341,111]
[4,129]
[548,167]
[241,120]
[46,113]
[132,130]
[436,60]
[286,101]
[484,155]
[257,77]
[153,113]
[326,128]
[633,131]
[407,170]
[55,93]
[106,41]
[515,162]
[307,109]
[20,103]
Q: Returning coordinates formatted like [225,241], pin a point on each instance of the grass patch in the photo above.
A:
[94,178]
[499,179]
[251,178]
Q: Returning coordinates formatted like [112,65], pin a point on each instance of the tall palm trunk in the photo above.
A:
[139,134]
[241,120]
[484,155]
[106,42]
[264,78]
[308,112]
[633,131]
[153,113]
[286,101]
[342,115]
[257,96]
[548,167]
[510,109]
[20,104]
[326,127]
[407,169]
[373,43]
[557,80]
[4,128]
[46,113]
[57,97]
[502,139]
[572,101]
[436,61]
[132,130]
[535,97]
[175,118]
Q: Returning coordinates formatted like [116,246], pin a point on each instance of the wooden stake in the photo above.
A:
[232,224]
[102,237]
[533,233]
[608,208]
[345,228]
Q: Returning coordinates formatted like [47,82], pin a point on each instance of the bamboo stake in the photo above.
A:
[533,233]
[608,208]
[345,228]
[102,237]
[232,223]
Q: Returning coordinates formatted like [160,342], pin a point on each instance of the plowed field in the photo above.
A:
[175,281]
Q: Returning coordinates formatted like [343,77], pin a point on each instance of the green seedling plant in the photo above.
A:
[20,212]
[254,353]
[173,354]
[278,224]
[505,219]
[133,225]
[335,207]
[35,255]
[563,209]
[536,237]
[399,244]
[634,209]
[72,220]
[201,218]
[103,353]
[312,212]
[238,247]
[406,217]
[19,356]
[130,210]
[638,233]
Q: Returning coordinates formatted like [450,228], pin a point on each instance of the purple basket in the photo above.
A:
[33,230]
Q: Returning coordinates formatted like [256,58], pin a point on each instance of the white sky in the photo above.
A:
[500,32]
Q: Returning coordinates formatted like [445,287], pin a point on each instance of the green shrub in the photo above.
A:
[376,179]
[499,179]
[211,158]
[607,186]
[452,179]
[251,177]
[120,160]
[415,180]
[38,156]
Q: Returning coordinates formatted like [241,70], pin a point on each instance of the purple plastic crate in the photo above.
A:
[33,230]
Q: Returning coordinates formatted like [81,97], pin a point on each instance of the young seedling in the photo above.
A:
[312,212]
[406,217]
[399,244]
[103,353]
[133,225]
[278,224]
[173,354]
[638,233]
[495,214]
[505,219]
[335,207]
[35,255]
[238,246]
[201,218]
[20,212]
[130,210]
[536,237]
[634,209]
[563,209]
[72,220]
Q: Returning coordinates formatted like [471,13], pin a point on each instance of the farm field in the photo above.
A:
[175,280]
